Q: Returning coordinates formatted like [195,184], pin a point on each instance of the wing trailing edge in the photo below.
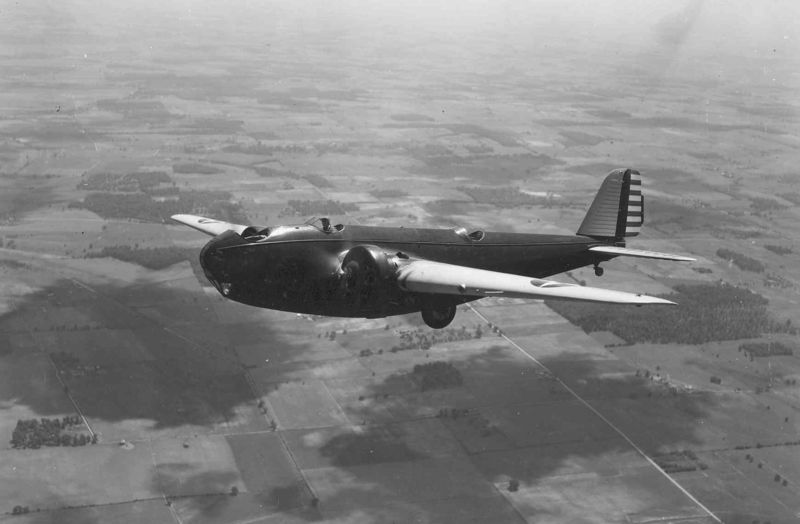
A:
[424,276]
[639,253]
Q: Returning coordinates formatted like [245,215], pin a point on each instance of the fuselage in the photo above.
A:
[298,268]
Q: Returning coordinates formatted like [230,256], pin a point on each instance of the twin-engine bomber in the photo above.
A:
[360,271]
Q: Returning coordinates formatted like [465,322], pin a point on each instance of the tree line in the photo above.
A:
[319,207]
[131,182]
[741,261]
[149,257]
[35,433]
[144,207]
[765,349]
[706,313]
[437,375]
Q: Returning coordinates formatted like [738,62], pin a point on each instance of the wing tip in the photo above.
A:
[655,301]
[184,218]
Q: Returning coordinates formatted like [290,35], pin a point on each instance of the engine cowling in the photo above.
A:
[367,277]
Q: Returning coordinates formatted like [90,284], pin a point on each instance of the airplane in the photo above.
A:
[340,270]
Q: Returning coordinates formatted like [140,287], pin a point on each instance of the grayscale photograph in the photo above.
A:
[516,261]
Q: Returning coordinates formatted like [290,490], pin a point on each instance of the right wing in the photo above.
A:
[209,226]
[640,253]
[425,276]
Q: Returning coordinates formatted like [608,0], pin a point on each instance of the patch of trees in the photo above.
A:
[12,264]
[20,510]
[765,349]
[141,206]
[388,193]
[258,148]
[163,191]
[68,363]
[581,139]
[506,196]
[760,204]
[446,207]
[773,280]
[150,257]
[678,461]
[318,180]
[64,360]
[419,339]
[131,182]
[741,261]
[271,172]
[706,312]
[474,419]
[153,258]
[192,167]
[794,198]
[779,250]
[261,148]
[33,434]
[411,117]
[738,233]
[320,207]
[437,375]
[759,445]
[453,413]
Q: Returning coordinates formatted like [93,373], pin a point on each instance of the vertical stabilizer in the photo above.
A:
[618,209]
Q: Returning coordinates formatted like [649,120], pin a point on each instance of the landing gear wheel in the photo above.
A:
[598,271]
[439,318]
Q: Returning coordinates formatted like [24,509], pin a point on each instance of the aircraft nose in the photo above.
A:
[212,262]
[215,263]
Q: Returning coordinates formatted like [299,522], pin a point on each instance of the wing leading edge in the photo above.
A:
[424,276]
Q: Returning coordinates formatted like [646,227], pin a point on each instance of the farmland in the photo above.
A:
[195,409]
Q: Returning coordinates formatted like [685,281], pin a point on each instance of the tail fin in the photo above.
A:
[618,209]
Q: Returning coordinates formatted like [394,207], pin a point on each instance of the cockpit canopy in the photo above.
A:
[259,233]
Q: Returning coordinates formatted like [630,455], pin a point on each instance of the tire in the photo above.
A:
[439,318]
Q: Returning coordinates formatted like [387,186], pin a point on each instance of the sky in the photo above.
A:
[737,40]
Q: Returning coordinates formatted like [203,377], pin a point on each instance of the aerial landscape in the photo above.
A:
[132,391]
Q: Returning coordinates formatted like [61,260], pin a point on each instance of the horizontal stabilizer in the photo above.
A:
[424,276]
[209,226]
[640,253]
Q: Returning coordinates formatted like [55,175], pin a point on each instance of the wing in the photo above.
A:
[640,253]
[209,226]
[424,276]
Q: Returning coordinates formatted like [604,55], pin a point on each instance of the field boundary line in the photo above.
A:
[602,417]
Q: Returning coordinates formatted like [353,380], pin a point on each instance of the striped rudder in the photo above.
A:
[618,209]
[634,218]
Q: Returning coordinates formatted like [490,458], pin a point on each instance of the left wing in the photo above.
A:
[209,226]
[425,276]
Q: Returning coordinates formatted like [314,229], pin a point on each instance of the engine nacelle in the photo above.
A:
[367,277]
